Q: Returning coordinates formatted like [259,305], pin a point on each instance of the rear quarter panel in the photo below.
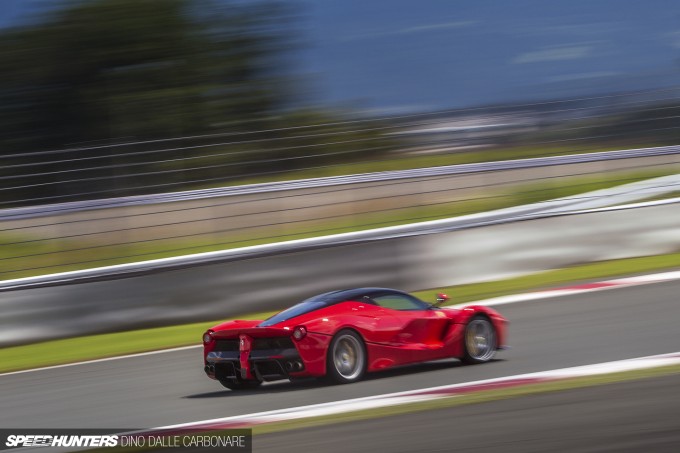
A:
[367,319]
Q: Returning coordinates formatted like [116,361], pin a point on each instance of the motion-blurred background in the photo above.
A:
[165,162]
[105,99]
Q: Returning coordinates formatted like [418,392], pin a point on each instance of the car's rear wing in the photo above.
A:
[254,332]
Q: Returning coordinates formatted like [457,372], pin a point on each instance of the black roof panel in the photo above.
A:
[325,300]
[335,297]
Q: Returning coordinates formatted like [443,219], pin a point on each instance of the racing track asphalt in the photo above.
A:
[633,416]
[170,388]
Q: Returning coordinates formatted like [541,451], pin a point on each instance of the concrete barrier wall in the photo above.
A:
[214,291]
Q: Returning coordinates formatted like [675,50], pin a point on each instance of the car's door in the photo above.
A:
[411,321]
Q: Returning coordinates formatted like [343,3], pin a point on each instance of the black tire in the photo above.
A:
[232,384]
[479,340]
[346,358]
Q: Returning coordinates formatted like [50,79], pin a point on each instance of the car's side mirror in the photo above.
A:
[441,298]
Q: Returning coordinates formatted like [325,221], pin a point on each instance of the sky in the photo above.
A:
[406,55]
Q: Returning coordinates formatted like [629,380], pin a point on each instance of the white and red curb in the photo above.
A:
[579,289]
[420,395]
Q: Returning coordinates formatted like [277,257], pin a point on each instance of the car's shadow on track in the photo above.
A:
[308,383]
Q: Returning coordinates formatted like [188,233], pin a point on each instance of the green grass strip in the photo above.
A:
[114,344]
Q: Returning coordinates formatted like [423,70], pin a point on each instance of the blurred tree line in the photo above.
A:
[96,73]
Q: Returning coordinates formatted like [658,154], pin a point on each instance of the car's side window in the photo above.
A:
[397,302]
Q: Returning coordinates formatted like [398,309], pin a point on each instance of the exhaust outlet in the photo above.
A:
[289,366]
[298,366]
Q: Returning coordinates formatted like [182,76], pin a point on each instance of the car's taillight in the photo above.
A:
[299,332]
[207,337]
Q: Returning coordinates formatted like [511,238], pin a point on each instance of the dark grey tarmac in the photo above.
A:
[635,416]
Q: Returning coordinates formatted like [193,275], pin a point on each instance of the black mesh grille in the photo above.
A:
[226,345]
[273,343]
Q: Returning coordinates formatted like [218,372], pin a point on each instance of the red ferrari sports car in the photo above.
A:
[344,334]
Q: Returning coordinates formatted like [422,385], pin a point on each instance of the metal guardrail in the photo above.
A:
[566,205]
[431,172]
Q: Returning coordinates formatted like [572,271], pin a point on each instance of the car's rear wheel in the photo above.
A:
[346,358]
[480,340]
[233,384]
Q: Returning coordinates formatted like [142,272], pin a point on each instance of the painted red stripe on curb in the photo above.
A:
[595,285]
[474,388]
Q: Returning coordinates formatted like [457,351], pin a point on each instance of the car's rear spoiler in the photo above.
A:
[254,332]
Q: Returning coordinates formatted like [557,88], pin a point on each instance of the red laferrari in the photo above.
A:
[344,334]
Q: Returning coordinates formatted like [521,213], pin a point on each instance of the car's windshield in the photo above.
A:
[295,310]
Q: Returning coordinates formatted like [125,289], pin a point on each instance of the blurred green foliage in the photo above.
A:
[97,73]
[139,68]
